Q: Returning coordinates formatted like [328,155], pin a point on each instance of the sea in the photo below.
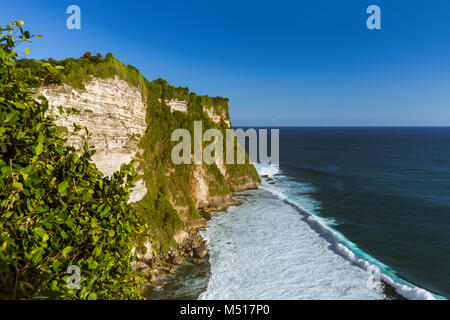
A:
[348,213]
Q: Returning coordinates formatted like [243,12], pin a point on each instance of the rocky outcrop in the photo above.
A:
[217,117]
[245,184]
[191,246]
[181,105]
[177,105]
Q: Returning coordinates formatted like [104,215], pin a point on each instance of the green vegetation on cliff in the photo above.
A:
[56,209]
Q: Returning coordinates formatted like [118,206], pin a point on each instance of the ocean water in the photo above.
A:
[265,250]
[346,203]
[347,207]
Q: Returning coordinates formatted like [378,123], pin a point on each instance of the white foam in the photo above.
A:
[264,250]
[267,169]
[341,244]
[406,290]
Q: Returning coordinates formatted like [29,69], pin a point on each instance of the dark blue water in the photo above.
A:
[388,189]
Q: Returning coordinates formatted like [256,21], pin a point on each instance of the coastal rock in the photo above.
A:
[198,261]
[241,186]
[197,224]
[148,255]
[172,270]
[220,203]
[180,236]
[138,266]
[200,252]
[178,260]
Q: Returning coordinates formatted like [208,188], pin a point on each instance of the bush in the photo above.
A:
[56,207]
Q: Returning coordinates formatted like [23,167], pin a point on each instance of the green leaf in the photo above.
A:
[62,187]
[12,116]
[27,50]
[67,250]
[7,171]
[55,266]
[105,212]
[20,105]
[38,255]
[40,138]
[92,296]
[17,185]
[39,149]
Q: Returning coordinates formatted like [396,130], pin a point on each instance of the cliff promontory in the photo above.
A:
[127,117]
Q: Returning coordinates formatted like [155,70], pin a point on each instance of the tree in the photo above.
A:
[56,208]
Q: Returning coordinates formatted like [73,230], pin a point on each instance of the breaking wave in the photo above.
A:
[294,194]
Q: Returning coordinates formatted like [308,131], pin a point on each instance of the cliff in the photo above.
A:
[128,117]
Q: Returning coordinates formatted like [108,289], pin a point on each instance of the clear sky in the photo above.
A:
[281,63]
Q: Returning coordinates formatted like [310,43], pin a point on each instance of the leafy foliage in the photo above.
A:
[56,207]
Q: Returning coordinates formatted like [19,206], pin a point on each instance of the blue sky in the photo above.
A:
[281,63]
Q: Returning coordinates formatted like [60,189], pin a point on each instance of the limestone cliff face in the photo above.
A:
[114,113]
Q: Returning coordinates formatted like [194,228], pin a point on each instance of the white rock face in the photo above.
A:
[216,117]
[181,105]
[201,187]
[180,236]
[114,113]
[177,105]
